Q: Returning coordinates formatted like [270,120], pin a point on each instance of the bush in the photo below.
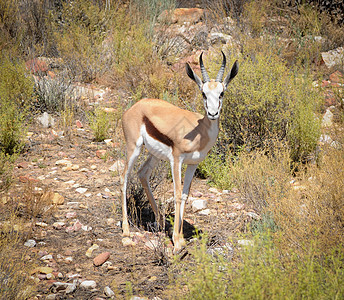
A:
[14,269]
[260,272]
[100,124]
[267,101]
[15,95]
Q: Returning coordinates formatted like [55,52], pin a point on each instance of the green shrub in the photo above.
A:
[15,94]
[260,272]
[100,124]
[266,101]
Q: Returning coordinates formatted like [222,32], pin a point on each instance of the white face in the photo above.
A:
[212,92]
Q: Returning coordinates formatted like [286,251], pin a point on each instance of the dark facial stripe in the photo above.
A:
[156,134]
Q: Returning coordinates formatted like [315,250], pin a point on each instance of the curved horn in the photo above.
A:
[203,70]
[222,69]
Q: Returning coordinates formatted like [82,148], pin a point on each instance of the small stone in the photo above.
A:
[101,258]
[91,249]
[75,227]
[79,124]
[50,276]
[88,284]
[108,292]
[57,199]
[197,194]
[81,190]
[199,204]
[253,215]
[75,167]
[30,243]
[46,120]
[71,215]
[68,259]
[245,242]
[41,224]
[63,162]
[327,119]
[101,153]
[71,287]
[126,241]
[59,225]
[93,167]
[47,257]
[51,297]
[205,212]
[117,167]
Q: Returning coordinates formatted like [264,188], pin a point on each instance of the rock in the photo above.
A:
[59,224]
[101,153]
[109,292]
[57,199]
[245,242]
[81,190]
[327,119]
[41,224]
[71,287]
[71,215]
[197,194]
[30,243]
[46,120]
[50,276]
[127,241]
[63,162]
[91,249]
[75,227]
[101,258]
[47,257]
[204,212]
[214,190]
[117,167]
[88,284]
[138,298]
[42,270]
[199,204]
[64,286]
[51,297]
[333,57]
[253,215]
[79,124]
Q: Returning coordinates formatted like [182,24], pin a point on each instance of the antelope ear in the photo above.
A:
[193,76]
[232,74]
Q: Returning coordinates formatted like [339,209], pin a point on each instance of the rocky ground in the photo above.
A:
[77,245]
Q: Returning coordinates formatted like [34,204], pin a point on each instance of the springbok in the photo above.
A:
[174,134]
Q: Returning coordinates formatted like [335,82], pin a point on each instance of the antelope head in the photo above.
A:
[213,90]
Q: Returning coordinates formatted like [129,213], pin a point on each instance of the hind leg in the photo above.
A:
[144,174]
[133,152]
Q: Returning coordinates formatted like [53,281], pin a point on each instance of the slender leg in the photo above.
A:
[178,238]
[190,171]
[144,174]
[133,151]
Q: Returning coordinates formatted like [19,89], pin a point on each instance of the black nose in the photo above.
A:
[213,115]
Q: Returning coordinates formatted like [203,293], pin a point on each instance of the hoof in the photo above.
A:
[125,228]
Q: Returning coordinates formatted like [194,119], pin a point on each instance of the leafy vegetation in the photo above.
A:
[268,147]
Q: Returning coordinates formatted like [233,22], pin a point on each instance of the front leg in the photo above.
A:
[190,171]
[178,239]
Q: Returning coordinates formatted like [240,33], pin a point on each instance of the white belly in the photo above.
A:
[154,147]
